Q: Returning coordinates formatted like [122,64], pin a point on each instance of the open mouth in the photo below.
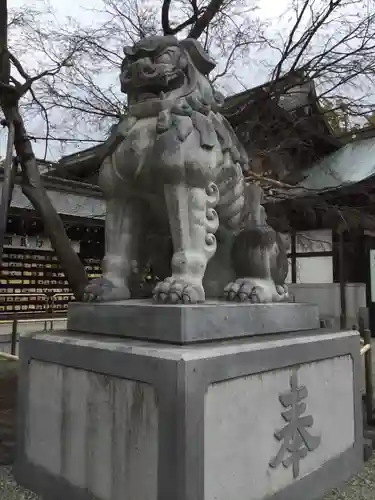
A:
[155,88]
[150,93]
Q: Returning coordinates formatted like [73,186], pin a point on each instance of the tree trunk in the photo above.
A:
[4,59]
[10,169]
[33,188]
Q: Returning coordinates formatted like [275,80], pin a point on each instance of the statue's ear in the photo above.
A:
[128,51]
[201,60]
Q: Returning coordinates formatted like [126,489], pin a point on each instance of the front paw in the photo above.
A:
[255,291]
[177,290]
[103,290]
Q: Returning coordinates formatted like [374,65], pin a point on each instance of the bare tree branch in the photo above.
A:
[167,30]
[46,119]
[32,184]
[166,26]
[205,18]
[288,45]
[331,42]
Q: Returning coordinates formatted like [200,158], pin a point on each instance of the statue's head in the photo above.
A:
[162,68]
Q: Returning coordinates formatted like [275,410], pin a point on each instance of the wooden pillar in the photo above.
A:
[342,280]
[293,257]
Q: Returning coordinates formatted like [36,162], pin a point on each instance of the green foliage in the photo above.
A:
[336,115]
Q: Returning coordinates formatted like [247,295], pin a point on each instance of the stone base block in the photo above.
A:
[275,417]
[181,324]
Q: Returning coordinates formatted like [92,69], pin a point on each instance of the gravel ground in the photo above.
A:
[362,487]
[9,489]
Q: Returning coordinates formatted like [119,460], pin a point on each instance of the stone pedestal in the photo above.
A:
[276,416]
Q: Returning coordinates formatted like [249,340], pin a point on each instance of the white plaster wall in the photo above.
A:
[97,432]
[70,204]
[327,297]
[312,270]
[241,416]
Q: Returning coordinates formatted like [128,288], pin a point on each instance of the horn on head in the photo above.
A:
[199,56]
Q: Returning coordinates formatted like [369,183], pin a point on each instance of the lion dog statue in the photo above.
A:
[178,170]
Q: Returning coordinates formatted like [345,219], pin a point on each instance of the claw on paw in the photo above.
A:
[178,291]
[255,291]
[283,291]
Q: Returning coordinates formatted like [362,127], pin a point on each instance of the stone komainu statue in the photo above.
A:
[178,172]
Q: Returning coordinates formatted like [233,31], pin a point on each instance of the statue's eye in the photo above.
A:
[165,57]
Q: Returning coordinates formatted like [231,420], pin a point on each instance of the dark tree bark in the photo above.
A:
[204,20]
[4,59]
[165,22]
[10,169]
[8,183]
[167,30]
[199,20]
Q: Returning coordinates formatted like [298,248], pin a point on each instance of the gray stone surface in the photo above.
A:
[217,410]
[184,324]
[174,168]
[97,432]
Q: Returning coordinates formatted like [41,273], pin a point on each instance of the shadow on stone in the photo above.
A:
[8,410]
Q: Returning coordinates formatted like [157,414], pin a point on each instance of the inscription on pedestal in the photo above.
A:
[297,441]
[243,414]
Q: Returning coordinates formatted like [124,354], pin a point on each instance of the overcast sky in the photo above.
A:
[252,74]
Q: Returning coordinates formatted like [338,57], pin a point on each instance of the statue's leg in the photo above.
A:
[259,258]
[255,254]
[123,232]
[193,222]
